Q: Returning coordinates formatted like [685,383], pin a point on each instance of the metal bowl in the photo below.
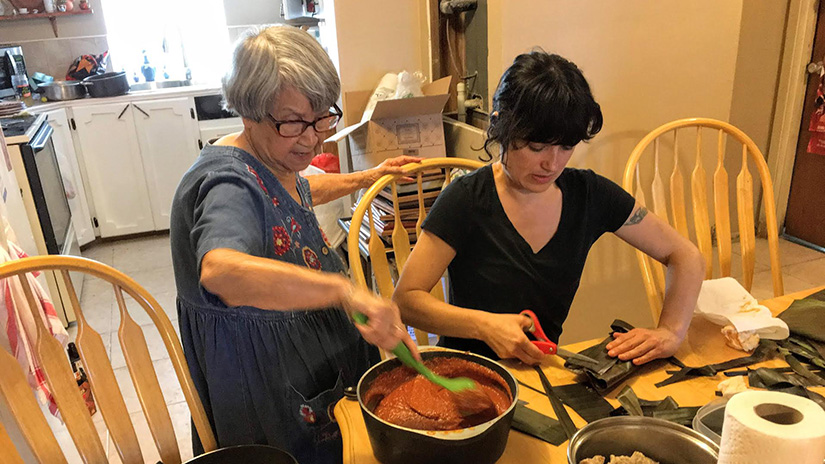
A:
[62,90]
[657,439]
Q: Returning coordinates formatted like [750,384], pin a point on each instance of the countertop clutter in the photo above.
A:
[703,345]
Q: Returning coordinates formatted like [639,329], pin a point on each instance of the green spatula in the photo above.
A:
[469,397]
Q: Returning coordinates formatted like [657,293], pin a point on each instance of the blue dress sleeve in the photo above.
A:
[229,213]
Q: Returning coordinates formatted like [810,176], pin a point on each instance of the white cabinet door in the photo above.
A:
[72,180]
[168,136]
[113,164]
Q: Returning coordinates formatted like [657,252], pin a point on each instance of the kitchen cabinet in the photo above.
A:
[114,167]
[135,154]
[168,137]
[72,178]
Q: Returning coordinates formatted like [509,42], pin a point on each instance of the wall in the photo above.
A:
[40,29]
[648,62]
[78,35]
[373,40]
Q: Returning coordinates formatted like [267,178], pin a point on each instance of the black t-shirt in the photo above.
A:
[496,270]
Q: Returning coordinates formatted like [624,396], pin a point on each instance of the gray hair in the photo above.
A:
[265,59]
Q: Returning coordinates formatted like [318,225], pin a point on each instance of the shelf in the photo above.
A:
[52,17]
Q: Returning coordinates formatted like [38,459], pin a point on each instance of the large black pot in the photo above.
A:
[393,444]
[110,84]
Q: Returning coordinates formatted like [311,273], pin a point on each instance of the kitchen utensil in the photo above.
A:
[393,444]
[63,90]
[657,439]
[403,353]
[110,84]
[546,346]
[561,413]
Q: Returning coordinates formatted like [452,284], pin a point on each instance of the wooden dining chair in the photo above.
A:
[666,151]
[382,273]
[27,415]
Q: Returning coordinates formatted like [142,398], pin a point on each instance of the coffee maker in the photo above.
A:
[11,63]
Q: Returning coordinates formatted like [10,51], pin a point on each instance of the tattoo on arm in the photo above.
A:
[637,217]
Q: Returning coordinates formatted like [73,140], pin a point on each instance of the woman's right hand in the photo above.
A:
[384,328]
[504,333]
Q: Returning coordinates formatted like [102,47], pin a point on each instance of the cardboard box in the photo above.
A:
[408,126]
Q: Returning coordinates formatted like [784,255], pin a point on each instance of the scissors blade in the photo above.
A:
[571,356]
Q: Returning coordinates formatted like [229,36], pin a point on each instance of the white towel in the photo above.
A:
[724,301]
[19,325]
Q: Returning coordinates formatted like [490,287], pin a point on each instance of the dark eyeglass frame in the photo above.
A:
[334,112]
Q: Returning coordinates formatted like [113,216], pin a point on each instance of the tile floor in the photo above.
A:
[148,260]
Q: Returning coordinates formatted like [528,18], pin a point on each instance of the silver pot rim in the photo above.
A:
[607,422]
[447,435]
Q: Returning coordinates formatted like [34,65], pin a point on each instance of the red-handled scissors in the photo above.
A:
[548,347]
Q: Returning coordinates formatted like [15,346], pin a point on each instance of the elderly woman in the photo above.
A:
[263,302]
[527,223]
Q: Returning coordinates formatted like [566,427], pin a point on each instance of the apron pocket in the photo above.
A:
[314,425]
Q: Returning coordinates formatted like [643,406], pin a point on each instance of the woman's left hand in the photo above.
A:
[389,166]
[643,345]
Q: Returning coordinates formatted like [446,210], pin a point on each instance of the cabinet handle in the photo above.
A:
[74,126]
[200,144]
[121,113]
[192,112]
[141,110]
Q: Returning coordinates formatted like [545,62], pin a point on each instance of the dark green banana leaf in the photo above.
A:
[610,371]
[765,350]
[806,317]
[777,381]
[666,409]
[628,399]
[538,425]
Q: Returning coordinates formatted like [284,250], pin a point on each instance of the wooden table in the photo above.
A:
[704,344]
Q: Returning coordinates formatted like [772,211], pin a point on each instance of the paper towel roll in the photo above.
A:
[772,428]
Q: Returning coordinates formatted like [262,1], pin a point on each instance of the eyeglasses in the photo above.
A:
[295,128]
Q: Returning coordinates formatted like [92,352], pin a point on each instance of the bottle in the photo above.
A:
[81,378]
[147,69]
[21,82]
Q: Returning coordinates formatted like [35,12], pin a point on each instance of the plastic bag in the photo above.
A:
[87,65]
[409,84]
[384,91]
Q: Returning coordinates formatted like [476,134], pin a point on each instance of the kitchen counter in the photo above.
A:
[704,344]
[153,94]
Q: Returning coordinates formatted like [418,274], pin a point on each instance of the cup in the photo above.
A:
[23,10]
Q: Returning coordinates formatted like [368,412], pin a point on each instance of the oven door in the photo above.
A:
[47,188]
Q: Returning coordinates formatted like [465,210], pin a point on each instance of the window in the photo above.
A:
[173,35]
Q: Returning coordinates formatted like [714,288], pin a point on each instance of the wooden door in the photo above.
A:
[168,136]
[115,169]
[805,218]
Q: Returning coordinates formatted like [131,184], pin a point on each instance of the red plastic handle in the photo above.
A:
[536,329]
[545,347]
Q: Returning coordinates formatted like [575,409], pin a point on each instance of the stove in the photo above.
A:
[13,127]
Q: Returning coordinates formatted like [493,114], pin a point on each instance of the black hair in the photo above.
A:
[542,98]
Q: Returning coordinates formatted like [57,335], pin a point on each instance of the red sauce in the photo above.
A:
[403,397]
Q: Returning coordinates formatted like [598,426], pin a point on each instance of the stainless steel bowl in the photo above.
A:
[63,90]
[658,439]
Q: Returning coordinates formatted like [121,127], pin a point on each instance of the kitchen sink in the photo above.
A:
[159,85]
[172,83]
